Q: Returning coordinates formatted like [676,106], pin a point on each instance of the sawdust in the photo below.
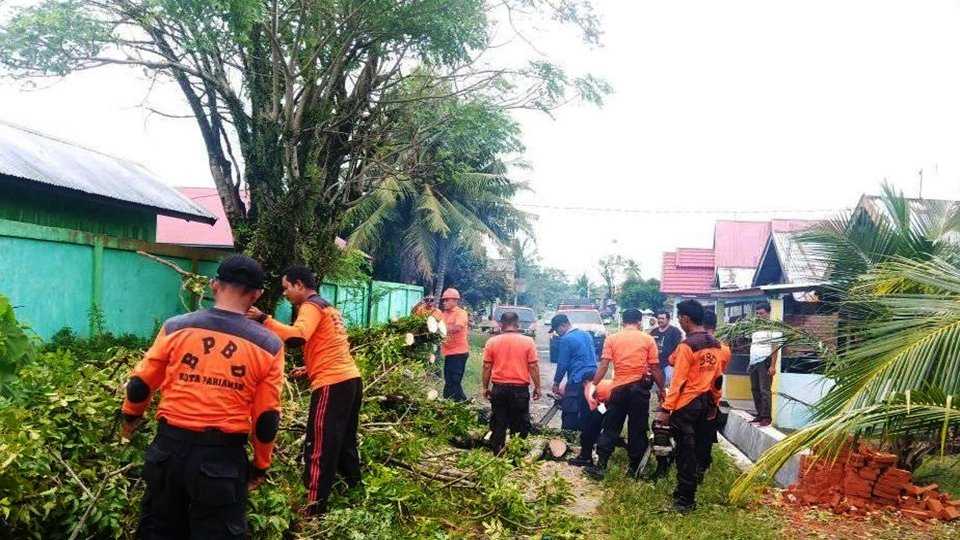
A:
[586,493]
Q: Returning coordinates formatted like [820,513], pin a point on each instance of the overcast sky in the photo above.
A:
[739,107]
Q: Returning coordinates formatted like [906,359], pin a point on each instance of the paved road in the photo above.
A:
[547,371]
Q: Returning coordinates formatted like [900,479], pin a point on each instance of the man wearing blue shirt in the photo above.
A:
[577,362]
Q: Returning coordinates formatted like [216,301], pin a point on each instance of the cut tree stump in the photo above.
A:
[558,447]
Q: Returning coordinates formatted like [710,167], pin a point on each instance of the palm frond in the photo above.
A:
[900,414]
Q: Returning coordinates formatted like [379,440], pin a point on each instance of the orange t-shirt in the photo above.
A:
[512,356]
[456,342]
[213,369]
[697,365]
[632,352]
[327,350]
[724,359]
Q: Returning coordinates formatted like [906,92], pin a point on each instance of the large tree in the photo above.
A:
[296,101]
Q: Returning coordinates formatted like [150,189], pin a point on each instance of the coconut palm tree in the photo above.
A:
[452,191]
[896,282]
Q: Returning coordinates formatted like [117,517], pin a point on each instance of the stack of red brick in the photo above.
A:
[865,480]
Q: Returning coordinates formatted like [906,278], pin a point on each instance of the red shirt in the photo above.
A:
[512,356]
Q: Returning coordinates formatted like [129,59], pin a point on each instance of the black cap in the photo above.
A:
[241,270]
[557,321]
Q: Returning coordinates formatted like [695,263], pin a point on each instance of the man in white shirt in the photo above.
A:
[764,344]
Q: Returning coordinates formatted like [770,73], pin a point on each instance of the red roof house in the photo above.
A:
[688,272]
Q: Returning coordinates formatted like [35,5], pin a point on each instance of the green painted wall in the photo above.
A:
[49,284]
[20,202]
[55,276]
[139,294]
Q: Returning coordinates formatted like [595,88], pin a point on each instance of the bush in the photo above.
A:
[62,466]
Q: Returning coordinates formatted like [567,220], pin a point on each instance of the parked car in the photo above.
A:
[589,321]
[528,319]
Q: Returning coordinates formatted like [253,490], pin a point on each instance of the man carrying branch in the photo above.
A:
[331,440]
[510,362]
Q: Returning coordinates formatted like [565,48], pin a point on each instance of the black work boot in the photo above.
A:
[598,471]
[634,470]
[581,461]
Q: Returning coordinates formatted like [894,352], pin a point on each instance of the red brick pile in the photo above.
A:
[865,480]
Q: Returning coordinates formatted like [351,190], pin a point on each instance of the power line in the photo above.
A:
[647,211]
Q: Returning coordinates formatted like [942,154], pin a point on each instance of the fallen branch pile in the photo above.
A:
[865,480]
[64,472]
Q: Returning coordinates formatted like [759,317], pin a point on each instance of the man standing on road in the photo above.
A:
[456,348]
[763,367]
[667,338]
[636,366]
[689,401]
[219,377]
[577,362]
[330,445]
[510,361]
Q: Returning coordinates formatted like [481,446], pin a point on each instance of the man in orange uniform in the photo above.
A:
[219,378]
[705,457]
[456,348]
[427,306]
[690,400]
[331,440]
[510,362]
[636,366]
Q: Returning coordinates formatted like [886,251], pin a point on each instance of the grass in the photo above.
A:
[474,372]
[943,471]
[632,509]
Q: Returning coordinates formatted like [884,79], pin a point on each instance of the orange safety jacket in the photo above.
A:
[697,366]
[320,330]
[724,359]
[214,369]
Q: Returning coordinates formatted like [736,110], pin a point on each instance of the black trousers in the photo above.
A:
[590,432]
[705,445]
[631,403]
[692,432]
[574,408]
[511,409]
[760,387]
[453,367]
[196,486]
[331,441]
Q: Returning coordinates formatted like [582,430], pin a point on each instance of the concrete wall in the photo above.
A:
[55,276]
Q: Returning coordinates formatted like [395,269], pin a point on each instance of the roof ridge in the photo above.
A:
[61,140]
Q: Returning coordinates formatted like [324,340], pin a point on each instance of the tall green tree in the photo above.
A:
[639,293]
[458,196]
[583,287]
[297,102]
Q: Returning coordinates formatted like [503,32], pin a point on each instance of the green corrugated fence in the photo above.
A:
[55,276]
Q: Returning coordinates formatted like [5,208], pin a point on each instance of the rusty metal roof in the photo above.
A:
[31,156]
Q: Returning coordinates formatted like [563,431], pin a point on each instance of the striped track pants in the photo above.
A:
[331,441]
